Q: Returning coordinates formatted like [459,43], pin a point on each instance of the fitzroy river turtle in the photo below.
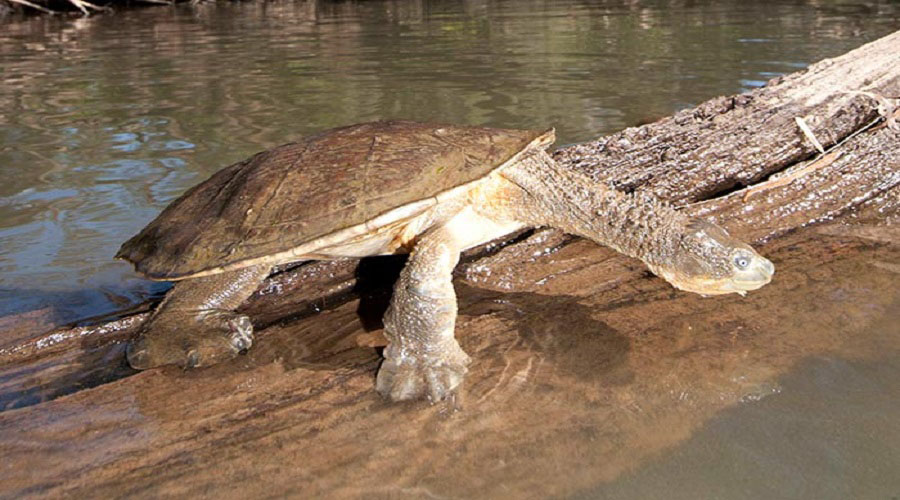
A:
[393,187]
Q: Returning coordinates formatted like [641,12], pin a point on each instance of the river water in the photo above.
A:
[105,120]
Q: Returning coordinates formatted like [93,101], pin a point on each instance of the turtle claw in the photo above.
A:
[408,378]
[241,333]
[191,342]
[138,354]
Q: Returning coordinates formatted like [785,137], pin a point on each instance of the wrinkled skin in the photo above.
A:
[196,325]
[692,254]
[710,262]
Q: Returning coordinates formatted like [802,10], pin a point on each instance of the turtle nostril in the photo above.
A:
[768,266]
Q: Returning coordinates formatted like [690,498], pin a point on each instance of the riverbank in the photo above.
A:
[76,7]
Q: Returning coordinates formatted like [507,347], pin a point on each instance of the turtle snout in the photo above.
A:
[757,274]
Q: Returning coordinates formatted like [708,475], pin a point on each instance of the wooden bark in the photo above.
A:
[298,415]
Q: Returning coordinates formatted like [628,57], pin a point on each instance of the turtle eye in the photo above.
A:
[741,261]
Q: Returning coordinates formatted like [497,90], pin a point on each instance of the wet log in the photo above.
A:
[298,415]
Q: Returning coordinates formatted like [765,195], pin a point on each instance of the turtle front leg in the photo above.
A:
[422,358]
[196,324]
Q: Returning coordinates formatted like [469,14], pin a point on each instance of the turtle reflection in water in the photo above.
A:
[393,187]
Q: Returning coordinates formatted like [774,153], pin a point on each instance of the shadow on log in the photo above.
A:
[582,359]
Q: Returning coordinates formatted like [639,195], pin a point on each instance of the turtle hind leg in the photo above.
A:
[196,324]
[422,358]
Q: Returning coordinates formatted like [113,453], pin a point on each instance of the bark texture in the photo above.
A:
[298,416]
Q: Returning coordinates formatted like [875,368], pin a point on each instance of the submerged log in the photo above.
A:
[645,367]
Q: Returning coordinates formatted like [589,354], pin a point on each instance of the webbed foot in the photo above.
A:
[406,374]
[190,339]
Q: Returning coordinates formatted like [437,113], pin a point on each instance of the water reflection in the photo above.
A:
[105,120]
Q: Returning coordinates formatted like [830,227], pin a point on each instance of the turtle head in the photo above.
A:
[709,261]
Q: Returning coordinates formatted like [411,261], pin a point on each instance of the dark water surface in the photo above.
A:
[104,121]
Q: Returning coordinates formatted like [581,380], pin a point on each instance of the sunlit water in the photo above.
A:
[104,121]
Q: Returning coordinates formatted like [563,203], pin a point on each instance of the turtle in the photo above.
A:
[427,189]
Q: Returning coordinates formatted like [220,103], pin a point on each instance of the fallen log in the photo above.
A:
[298,414]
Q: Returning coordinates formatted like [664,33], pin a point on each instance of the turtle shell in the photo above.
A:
[295,194]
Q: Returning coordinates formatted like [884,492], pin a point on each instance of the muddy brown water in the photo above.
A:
[630,390]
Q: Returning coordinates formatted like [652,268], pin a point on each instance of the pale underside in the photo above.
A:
[469,225]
